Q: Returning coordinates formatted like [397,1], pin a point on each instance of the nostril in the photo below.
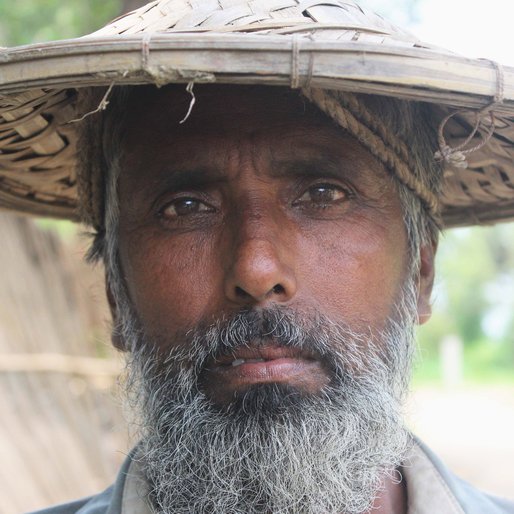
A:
[278,289]
[241,293]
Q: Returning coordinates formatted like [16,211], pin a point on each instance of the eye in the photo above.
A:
[322,195]
[184,207]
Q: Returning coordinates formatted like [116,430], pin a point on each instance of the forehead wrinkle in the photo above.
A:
[329,153]
[186,178]
[280,146]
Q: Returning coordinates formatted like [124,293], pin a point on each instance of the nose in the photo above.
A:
[259,273]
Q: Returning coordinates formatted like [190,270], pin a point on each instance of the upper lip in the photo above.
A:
[267,353]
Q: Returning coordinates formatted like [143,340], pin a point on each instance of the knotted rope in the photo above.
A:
[456,156]
[352,115]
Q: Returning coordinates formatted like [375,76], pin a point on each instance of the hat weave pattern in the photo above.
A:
[313,45]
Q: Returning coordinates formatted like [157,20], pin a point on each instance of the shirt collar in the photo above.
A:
[134,499]
[427,492]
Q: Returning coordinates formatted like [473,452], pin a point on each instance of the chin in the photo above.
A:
[267,401]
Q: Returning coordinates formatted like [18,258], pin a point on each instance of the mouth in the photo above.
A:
[260,354]
[251,365]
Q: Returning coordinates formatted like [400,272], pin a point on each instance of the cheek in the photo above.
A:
[171,283]
[356,273]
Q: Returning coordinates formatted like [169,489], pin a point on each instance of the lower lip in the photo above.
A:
[283,370]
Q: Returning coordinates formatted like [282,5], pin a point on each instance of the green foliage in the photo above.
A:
[484,362]
[64,229]
[29,21]
[467,262]
[474,299]
[486,359]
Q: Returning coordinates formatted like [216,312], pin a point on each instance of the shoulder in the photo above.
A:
[108,501]
[475,501]
[65,508]
[471,499]
[98,504]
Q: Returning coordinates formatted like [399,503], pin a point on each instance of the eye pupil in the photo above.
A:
[182,207]
[186,206]
[321,194]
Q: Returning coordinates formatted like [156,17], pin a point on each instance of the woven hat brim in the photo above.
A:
[408,73]
[484,193]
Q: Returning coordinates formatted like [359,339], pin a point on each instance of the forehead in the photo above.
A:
[275,123]
[225,106]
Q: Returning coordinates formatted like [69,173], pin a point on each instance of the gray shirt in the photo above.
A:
[431,489]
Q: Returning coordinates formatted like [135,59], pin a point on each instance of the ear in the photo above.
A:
[426,280]
[116,338]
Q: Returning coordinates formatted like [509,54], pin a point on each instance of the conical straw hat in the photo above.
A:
[313,44]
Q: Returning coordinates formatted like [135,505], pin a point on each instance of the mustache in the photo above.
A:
[258,328]
[336,345]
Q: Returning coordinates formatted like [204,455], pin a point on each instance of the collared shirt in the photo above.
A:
[431,489]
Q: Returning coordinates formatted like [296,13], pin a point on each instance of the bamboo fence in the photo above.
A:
[61,429]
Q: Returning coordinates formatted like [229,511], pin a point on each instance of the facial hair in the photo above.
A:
[273,449]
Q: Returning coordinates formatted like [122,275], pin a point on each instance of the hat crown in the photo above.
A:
[341,20]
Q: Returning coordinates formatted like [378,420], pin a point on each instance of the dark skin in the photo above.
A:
[258,200]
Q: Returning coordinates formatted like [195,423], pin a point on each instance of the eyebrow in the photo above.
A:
[316,167]
[185,178]
[205,176]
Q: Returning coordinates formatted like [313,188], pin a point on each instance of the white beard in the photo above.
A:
[275,450]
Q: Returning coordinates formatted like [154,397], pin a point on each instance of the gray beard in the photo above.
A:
[274,449]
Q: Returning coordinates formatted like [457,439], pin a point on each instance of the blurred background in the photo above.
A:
[62,433]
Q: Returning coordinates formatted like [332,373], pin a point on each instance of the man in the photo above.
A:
[268,252]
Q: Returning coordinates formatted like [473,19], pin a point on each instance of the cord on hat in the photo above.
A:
[456,156]
[352,115]
[295,62]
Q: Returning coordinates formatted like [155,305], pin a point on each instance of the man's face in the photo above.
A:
[255,201]
[266,291]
